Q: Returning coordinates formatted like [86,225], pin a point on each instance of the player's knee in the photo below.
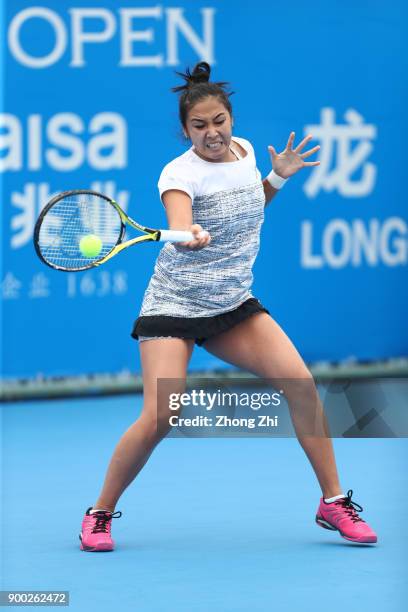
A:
[157,425]
[301,388]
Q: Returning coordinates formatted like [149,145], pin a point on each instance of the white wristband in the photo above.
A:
[275,181]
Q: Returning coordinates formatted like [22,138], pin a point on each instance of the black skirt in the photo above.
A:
[199,328]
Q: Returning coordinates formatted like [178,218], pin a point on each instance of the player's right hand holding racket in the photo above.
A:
[201,238]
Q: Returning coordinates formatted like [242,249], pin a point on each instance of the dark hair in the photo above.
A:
[198,87]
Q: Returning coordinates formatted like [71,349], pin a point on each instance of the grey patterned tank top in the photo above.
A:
[217,278]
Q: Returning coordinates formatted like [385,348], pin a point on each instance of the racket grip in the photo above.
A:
[175,236]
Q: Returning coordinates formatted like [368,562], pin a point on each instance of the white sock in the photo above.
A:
[330,500]
[99,510]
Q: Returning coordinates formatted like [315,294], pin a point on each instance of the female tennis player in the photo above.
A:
[200,292]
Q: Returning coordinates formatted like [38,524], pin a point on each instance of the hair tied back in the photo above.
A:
[201,74]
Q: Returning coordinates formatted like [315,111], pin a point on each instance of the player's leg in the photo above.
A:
[167,358]
[260,346]
[161,359]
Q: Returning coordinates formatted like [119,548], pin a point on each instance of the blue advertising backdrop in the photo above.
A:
[87,103]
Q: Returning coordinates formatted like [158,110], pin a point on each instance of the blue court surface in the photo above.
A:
[209,524]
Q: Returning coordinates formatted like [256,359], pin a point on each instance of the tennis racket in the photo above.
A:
[73,217]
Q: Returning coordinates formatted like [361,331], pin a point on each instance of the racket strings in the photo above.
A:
[72,218]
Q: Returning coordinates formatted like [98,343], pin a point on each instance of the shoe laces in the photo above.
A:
[103,520]
[350,507]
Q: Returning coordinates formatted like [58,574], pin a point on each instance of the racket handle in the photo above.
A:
[175,236]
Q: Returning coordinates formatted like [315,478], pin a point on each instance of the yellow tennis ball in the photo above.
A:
[90,245]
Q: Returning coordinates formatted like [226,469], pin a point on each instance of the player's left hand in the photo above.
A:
[290,161]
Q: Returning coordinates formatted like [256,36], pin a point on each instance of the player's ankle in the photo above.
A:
[102,506]
[328,493]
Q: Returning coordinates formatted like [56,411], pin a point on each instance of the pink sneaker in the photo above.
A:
[342,516]
[96,531]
